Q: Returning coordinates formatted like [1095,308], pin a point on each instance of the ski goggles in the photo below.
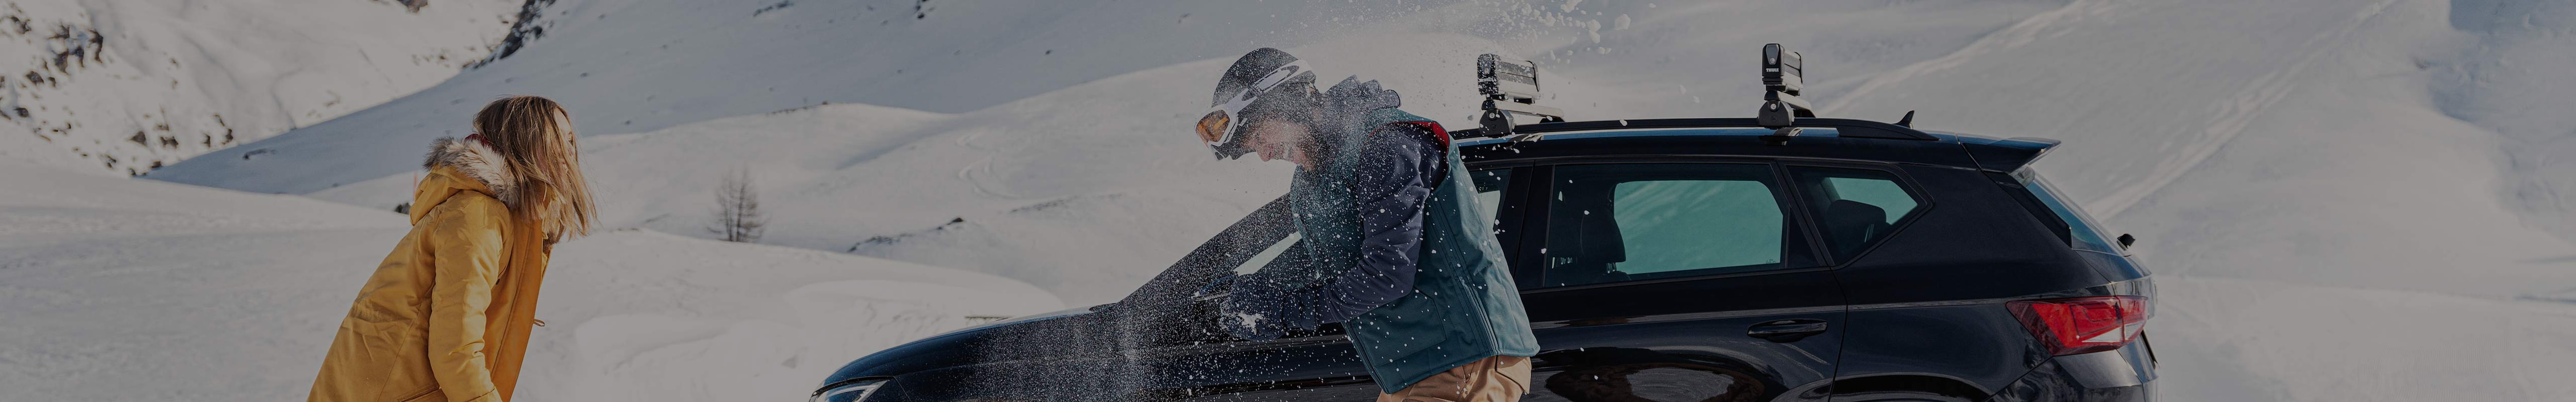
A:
[1220,127]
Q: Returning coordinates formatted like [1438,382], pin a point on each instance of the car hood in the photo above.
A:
[988,343]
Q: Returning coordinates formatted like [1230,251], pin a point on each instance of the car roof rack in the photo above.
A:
[1512,88]
[1509,88]
[1844,128]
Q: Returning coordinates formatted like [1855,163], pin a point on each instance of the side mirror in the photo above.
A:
[2126,240]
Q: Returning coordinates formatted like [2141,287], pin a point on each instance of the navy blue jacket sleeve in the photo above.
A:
[1397,173]
[1395,182]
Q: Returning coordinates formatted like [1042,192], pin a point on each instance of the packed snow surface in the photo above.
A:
[123,289]
[2342,200]
[2229,339]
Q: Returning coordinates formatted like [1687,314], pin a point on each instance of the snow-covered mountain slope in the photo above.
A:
[2307,123]
[129,86]
[627,66]
[2510,75]
[1086,191]
[2341,167]
[1093,142]
[121,289]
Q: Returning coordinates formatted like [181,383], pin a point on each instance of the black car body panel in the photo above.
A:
[1917,309]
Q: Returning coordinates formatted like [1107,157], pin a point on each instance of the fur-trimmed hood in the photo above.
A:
[470,161]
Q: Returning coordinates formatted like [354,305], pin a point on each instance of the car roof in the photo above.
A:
[1835,139]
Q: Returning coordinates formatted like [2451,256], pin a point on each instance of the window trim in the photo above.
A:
[1923,201]
[1814,233]
[2075,217]
[1537,181]
[1514,226]
[1530,274]
[2048,219]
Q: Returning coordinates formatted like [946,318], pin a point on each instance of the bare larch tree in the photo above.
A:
[738,216]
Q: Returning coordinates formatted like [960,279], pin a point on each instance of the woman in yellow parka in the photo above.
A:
[446,316]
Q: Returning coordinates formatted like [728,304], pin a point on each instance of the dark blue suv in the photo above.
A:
[1765,259]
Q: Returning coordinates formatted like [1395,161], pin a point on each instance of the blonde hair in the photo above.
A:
[535,136]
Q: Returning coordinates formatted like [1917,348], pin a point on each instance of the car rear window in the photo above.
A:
[2081,229]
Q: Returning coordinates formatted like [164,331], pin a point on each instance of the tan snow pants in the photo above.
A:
[1492,379]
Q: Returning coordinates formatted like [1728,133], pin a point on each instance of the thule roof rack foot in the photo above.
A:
[1510,88]
[1783,79]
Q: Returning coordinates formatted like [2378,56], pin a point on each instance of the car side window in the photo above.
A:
[1855,208]
[1620,222]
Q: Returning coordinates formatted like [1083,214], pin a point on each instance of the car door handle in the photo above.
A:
[1785,331]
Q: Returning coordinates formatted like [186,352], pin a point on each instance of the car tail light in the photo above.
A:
[2082,324]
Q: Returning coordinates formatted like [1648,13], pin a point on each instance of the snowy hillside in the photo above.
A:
[897,184]
[2318,183]
[1087,213]
[1084,128]
[2510,74]
[136,290]
[629,66]
[129,86]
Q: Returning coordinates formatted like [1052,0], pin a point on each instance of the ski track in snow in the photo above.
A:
[2234,115]
[2019,33]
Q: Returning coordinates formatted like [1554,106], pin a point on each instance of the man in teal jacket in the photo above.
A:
[1391,243]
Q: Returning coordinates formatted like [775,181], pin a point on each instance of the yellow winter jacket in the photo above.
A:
[446,316]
